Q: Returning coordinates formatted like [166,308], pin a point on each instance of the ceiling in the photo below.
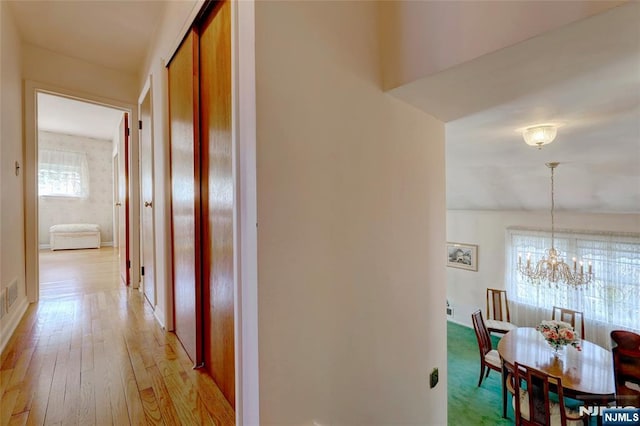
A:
[68,116]
[114,34]
[111,33]
[584,76]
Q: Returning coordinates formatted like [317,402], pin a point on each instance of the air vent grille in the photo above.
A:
[12,294]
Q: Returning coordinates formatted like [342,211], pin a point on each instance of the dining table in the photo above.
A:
[586,374]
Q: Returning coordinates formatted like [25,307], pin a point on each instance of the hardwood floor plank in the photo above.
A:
[72,388]
[151,408]
[117,395]
[90,352]
[19,419]
[38,388]
[5,379]
[87,409]
[165,402]
[101,388]
[20,368]
[143,381]
[6,405]
[55,406]
[134,402]
[37,413]
[27,392]
[184,408]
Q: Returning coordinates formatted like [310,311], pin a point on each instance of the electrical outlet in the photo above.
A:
[433,378]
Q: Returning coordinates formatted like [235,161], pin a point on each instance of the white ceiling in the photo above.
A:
[111,33]
[585,77]
[63,115]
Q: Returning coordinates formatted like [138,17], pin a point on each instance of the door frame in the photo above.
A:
[31,90]
[114,209]
[147,90]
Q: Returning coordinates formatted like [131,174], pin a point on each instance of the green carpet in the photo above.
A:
[468,404]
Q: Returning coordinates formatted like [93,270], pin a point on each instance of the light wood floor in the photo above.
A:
[91,353]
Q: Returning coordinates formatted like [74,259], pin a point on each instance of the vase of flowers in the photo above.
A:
[559,334]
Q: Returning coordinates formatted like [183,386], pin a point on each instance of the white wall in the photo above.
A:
[12,259]
[79,76]
[422,38]
[466,290]
[60,74]
[98,206]
[350,227]
[176,20]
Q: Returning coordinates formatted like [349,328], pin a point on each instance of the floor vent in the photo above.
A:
[3,302]
[12,294]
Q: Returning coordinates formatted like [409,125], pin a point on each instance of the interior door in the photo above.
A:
[146,182]
[185,196]
[116,201]
[217,198]
[123,198]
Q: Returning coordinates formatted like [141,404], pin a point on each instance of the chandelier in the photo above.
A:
[552,268]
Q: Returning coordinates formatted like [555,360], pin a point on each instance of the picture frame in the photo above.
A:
[462,256]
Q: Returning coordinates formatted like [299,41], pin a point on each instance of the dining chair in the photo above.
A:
[626,365]
[570,316]
[489,357]
[498,318]
[532,403]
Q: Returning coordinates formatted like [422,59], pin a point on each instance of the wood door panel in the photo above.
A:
[185,215]
[217,198]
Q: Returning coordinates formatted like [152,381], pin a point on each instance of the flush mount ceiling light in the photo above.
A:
[539,135]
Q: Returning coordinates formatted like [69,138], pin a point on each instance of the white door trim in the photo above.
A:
[31,90]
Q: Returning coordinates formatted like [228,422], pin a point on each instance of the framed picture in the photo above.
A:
[463,256]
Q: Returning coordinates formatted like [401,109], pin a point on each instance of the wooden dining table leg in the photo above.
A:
[504,390]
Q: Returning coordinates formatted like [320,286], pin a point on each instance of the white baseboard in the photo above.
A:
[459,322]
[159,317]
[48,246]
[11,321]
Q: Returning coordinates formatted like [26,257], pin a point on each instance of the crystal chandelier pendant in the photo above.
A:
[553,269]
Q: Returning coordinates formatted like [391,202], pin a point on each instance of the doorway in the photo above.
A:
[68,176]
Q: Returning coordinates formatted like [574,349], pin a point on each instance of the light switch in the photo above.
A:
[434,378]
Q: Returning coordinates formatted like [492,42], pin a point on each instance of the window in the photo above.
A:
[612,300]
[63,174]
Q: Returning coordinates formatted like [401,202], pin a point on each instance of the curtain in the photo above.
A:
[610,302]
[63,174]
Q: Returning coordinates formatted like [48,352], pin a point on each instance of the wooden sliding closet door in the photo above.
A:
[185,196]
[217,197]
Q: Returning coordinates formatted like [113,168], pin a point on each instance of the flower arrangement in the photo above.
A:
[559,334]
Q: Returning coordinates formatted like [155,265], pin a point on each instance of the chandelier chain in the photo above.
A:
[553,236]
